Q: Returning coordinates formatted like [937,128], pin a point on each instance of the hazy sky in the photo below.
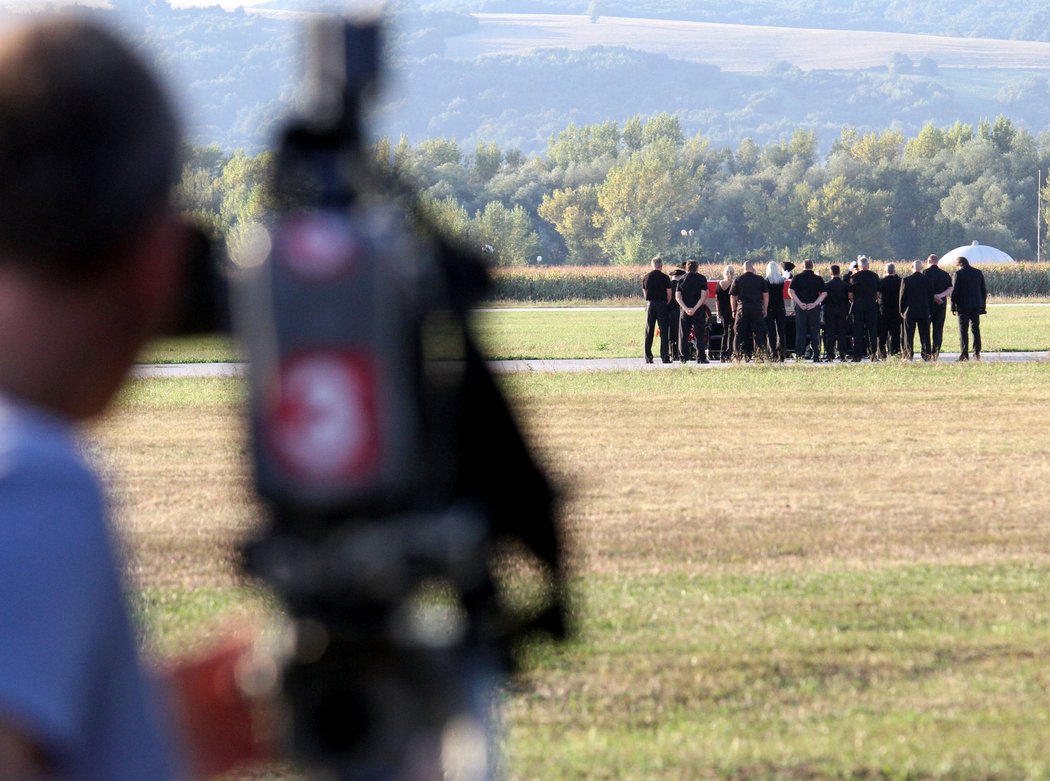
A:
[229,4]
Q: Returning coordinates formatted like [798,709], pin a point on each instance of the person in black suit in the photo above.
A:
[851,269]
[749,296]
[836,306]
[692,300]
[969,297]
[942,291]
[808,291]
[673,311]
[776,312]
[725,312]
[917,302]
[656,287]
[889,312]
[864,295]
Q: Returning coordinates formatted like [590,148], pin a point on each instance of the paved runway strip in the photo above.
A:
[550,365]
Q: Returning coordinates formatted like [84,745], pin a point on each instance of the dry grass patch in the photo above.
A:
[779,572]
[767,466]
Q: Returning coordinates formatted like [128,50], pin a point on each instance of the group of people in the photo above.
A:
[855,315]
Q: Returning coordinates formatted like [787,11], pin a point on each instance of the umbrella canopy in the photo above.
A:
[976,253]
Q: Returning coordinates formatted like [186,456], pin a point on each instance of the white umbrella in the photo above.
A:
[976,253]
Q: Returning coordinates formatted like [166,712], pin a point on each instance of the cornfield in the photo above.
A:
[598,283]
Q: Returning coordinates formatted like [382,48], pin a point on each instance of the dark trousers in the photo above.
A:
[938,313]
[889,334]
[697,321]
[969,318]
[807,332]
[728,338]
[923,325]
[836,337]
[865,330]
[672,330]
[776,326]
[750,331]
[656,315]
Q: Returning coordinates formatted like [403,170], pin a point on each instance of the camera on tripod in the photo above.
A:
[375,424]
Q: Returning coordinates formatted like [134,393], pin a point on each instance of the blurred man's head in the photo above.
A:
[917,266]
[658,262]
[891,269]
[88,147]
[90,248]
[932,260]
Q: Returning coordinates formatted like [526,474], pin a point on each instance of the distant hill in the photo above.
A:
[1002,19]
[736,47]
[496,78]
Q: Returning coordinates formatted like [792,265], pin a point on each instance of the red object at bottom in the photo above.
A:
[221,727]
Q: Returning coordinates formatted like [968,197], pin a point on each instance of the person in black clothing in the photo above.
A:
[969,297]
[852,269]
[692,298]
[725,311]
[656,287]
[916,302]
[942,291]
[808,292]
[890,320]
[864,295]
[673,311]
[749,296]
[836,306]
[776,314]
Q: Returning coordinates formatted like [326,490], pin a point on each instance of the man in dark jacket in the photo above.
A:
[749,296]
[836,306]
[864,295]
[673,311]
[656,287]
[808,292]
[889,312]
[916,302]
[942,290]
[692,301]
[969,296]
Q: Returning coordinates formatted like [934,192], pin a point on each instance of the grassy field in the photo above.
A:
[615,333]
[845,575]
[749,48]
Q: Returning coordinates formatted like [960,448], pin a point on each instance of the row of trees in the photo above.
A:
[612,193]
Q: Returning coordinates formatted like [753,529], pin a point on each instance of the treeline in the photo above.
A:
[521,101]
[618,194]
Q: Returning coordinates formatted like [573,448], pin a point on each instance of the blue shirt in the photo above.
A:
[70,675]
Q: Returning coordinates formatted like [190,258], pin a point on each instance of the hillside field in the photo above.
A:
[741,48]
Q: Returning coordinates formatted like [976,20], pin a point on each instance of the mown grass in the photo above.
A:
[616,333]
[209,348]
[542,333]
[777,572]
